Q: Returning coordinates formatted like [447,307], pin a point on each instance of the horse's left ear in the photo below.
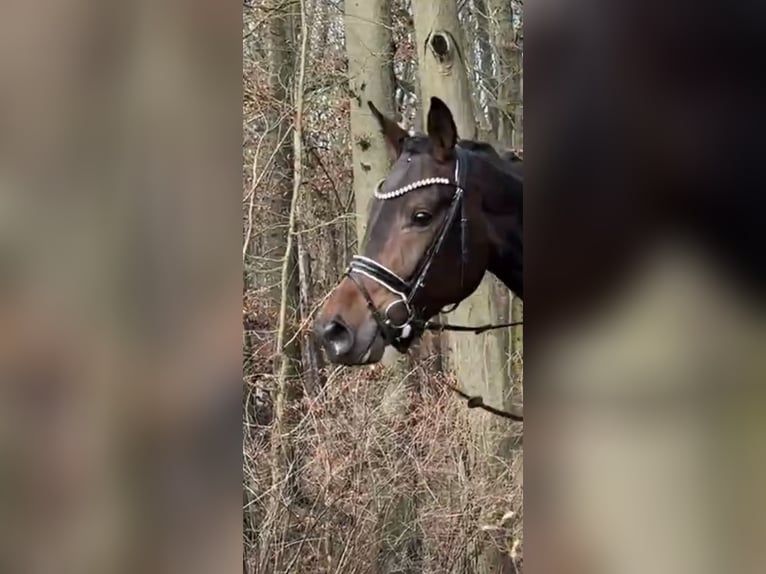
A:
[441,129]
[392,133]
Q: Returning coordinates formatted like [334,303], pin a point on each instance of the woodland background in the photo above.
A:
[379,469]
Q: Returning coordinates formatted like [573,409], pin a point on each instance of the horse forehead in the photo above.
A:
[385,213]
[410,167]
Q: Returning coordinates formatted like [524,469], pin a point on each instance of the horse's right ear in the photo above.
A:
[392,133]
[441,129]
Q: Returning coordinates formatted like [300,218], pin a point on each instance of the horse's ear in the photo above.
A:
[392,132]
[441,129]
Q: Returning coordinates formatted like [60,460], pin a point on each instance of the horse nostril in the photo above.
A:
[338,336]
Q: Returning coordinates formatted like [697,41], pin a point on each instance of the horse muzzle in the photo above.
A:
[346,346]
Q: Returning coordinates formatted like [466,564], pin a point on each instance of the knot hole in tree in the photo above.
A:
[441,46]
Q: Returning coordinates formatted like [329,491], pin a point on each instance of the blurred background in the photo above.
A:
[120,329]
[644,274]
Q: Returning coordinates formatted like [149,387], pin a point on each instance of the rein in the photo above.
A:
[434,326]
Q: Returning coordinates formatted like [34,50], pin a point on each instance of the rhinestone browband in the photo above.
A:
[409,187]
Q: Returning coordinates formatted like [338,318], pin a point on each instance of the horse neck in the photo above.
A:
[502,205]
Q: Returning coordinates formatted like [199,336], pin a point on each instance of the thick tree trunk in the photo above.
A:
[478,361]
[369,45]
[441,56]
[371,77]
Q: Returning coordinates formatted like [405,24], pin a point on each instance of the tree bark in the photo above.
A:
[370,77]
[282,246]
[509,58]
[484,63]
[506,40]
[369,45]
[478,361]
[276,188]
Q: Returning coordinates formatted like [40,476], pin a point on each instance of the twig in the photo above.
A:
[477,401]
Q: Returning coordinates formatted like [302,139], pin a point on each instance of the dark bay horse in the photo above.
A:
[449,211]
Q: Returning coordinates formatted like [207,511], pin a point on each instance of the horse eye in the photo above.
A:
[421,218]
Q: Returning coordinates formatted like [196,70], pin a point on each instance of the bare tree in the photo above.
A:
[369,45]
[478,361]
[507,40]
[279,254]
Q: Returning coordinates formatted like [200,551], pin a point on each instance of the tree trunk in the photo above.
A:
[507,42]
[484,65]
[371,77]
[276,187]
[509,58]
[369,46]
[478,361]
[311,357]
[281,261]
[443,69]
[281,254]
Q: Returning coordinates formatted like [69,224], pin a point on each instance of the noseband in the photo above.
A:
[399,335]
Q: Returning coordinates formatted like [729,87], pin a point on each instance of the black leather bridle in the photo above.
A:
[400,335]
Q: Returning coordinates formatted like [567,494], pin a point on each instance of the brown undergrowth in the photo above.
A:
[354,463]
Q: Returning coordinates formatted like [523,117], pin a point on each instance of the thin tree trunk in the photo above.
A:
[284,288]
[276,190]
[509,58]
[484,68]
[311,357]
[288,389]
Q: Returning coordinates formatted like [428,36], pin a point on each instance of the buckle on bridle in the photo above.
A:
[406,306]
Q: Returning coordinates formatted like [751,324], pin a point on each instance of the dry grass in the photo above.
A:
[355,464]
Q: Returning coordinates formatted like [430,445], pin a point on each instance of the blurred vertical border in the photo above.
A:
[120,286]
[644,317]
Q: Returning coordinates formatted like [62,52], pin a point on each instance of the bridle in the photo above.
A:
[400,335]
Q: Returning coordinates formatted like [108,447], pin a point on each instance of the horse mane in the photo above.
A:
[507,161]
[508,165]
